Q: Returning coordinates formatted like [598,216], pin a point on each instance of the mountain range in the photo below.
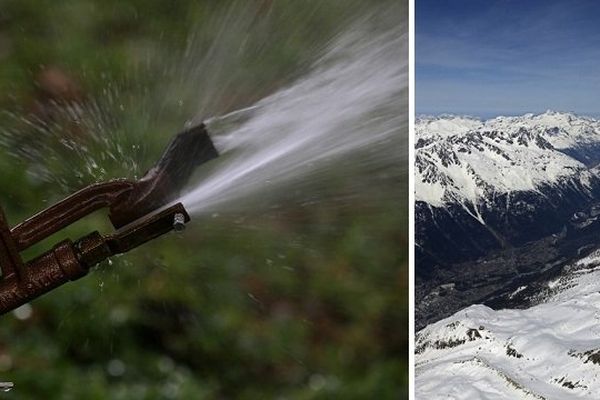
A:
[507,226]
[499,202]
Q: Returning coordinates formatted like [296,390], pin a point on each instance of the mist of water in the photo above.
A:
[348,114]
[343,120]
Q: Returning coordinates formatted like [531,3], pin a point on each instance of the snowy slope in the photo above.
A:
[549,351]
[465,160]
[445,125]
[562,130]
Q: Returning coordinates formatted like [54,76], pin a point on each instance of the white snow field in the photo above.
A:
[548,351]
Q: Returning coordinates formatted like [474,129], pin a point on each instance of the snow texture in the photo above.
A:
[465,160]
[548,351]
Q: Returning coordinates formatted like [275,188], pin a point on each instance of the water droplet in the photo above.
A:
[317,382]
[170,390]
[119,315]
[24,312]
[165,365]
[6,386]
[115,367]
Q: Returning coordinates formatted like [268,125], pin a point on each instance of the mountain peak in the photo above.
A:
[461,158]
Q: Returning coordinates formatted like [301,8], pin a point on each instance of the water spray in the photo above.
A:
[139,211]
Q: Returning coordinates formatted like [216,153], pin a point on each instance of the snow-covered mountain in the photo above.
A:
[493,178]
[548,351]
[461,159]
[500,201]
[508,214]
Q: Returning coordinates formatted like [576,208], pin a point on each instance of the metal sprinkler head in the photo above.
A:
[179,222]
[139,211]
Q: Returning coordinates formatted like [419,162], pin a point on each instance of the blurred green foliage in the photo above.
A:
[298,303]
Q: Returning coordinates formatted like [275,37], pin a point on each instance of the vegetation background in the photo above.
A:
[293,303]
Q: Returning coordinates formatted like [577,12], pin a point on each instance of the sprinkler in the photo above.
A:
[139,211]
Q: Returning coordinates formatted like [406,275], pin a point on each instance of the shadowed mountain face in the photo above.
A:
[499,203]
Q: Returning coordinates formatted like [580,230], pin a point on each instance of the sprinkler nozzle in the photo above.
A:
[178,222]
[163,182]
[133,212]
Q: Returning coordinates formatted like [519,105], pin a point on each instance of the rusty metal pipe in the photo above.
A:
[68,211]
[127,200]
[46,272]
[69,261]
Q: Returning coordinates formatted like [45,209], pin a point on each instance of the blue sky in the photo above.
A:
[486,58]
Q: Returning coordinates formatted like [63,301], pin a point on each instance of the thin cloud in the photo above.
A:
[519,54]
